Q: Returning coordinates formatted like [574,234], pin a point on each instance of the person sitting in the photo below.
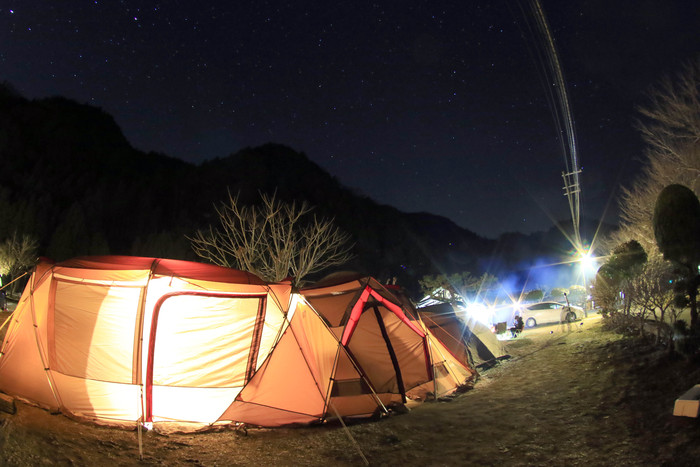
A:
[518,326]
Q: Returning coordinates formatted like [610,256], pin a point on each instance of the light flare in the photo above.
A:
[479,312]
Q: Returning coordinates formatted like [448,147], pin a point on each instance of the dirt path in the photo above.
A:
[564,398]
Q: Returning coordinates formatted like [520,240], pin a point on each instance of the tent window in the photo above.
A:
[334,308]
[93,331]
[353,387]
[440,369]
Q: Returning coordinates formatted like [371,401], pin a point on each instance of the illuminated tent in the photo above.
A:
[308,377]
[452,367]
[126,340]
[470,342]
[449,373]
[396,355]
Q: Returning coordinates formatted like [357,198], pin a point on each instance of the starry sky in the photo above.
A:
[435,106]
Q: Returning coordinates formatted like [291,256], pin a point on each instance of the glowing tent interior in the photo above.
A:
[124,340]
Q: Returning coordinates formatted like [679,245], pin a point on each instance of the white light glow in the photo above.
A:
[479,312]
[587,262]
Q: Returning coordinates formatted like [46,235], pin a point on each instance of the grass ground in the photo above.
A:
[576,395]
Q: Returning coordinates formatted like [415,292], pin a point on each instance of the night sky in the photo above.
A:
[434,106]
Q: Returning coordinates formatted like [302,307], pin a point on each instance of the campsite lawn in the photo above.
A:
[575,395]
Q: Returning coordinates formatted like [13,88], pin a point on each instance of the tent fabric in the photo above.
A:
[311,356]
[121,339]
[468,341]
[453,369]
[484,344]
[398,355]
[124,340]
[449,374]
[390,351]
[127,340]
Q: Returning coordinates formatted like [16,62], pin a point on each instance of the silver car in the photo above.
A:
[549,312]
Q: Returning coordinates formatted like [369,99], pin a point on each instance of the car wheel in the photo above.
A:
[531,323]
[570,317]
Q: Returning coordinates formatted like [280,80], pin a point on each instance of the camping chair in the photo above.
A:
[501,327]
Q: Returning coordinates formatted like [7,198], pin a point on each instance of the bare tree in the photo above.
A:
[674,119]
[274,241]
[17,254]
[654,296]
[670,126]
[612,286]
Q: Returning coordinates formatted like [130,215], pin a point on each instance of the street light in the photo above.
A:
[588,266]
[587,262]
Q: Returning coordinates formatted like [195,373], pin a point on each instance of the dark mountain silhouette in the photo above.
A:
[71,179]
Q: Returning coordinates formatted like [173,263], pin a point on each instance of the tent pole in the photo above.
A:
[13,311]
[444,359]
[424,328]
[353,361]
[43,354]
[7,320]
[13,280]
[432,360]
[364,378]
[347,432]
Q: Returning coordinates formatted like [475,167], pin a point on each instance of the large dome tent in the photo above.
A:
[130,340]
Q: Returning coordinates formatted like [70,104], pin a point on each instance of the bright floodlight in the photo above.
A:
[587,261]
[478,311]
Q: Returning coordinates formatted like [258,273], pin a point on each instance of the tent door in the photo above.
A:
[369,346]
[390,349]
[203,350]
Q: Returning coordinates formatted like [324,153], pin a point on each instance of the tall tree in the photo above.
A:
[677,232]
[71,237]
[558,294]
[578,295]
[535,295]
[606,291]
[670,127]
[616,274]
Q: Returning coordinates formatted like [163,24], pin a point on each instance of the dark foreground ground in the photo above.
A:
[579,396]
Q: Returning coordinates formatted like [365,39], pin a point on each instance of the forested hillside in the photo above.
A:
[70,179]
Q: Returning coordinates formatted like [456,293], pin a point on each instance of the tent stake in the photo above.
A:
[139,425]
[347,432]
[140,430]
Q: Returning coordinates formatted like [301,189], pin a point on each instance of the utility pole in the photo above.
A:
[572,191]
